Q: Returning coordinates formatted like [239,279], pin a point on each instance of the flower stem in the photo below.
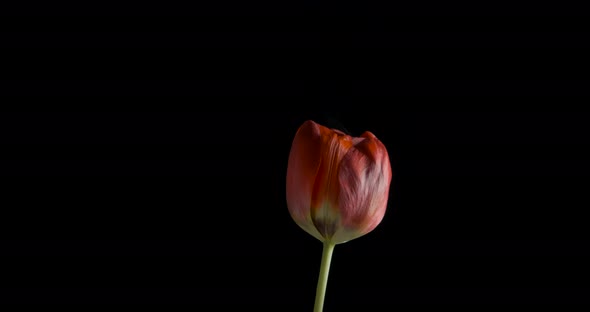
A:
[323,278]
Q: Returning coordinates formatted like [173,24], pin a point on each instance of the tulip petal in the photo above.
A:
[324,206]
[364,180]
[304,162]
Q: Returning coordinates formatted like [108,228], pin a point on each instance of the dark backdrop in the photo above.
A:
[144,153]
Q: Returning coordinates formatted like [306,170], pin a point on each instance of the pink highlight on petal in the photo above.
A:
[365,176]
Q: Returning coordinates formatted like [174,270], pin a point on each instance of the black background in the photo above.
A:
[144,152]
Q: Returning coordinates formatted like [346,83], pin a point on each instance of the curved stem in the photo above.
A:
[323,278]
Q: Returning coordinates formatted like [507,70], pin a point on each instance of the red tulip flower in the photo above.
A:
[337,187]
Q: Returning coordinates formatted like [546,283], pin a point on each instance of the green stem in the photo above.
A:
[323,278]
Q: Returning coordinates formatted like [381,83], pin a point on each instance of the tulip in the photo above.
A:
[337,188]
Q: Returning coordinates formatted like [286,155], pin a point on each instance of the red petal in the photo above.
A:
[304,161]
[324,204]
[364,179]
